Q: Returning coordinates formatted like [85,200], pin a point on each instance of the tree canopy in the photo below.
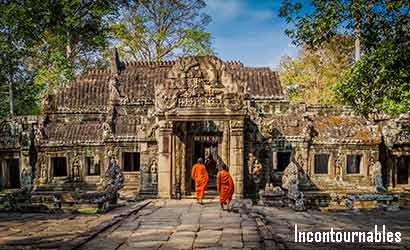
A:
[378,81]
[311,75]
[155,30]
[46,44]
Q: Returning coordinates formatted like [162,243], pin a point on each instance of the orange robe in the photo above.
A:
[225,186]
[200,176]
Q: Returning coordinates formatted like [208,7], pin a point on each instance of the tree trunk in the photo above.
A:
[357,49]
[357,31]
[11,98]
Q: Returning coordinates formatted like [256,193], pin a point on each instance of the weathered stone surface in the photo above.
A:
[66,232]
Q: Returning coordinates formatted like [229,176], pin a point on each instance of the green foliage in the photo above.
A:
[46,43]
[315,22]
[21,23]
[311,75]
[379,81]
[73,40]
[88,210]
[55,73]
[162,29]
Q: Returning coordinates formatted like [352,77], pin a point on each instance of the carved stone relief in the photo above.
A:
[43,173]
[76,167]
[199,82]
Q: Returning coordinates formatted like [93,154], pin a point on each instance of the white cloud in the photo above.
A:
[263,15]
[223,10]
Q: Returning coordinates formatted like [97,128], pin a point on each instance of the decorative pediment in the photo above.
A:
[10,133]
[397,132]
[199,83]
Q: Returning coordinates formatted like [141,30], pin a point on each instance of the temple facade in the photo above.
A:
[157,118]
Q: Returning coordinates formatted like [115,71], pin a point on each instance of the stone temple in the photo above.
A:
[157,118]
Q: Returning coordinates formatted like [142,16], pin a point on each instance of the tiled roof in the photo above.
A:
[346,128]
[261,82]
[69,133]
[90,91]
[138,81]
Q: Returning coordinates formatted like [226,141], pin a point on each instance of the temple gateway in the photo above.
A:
[157,118]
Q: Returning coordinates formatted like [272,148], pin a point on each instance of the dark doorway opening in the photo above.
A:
[131,161]
[208,151]
[59,166]
[93,167]
[13,173]
[283,160]
[403,167]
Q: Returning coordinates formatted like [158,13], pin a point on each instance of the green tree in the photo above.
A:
[44,44]
[379,81]
[155,30]
[74,39]
[380,27]
[311,75]
[21,23]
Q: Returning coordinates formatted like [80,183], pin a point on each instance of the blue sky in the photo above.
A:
[249,30]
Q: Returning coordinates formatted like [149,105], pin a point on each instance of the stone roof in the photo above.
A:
[138,80]
[345,129]
[69,133]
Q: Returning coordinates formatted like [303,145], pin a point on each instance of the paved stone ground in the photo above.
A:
[181,225]
[278,230]
[56,231]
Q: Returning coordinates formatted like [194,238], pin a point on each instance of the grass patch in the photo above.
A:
[4,206]
[88,210]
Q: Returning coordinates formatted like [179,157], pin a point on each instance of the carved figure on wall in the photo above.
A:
[154,171]
[26,180]
[106,130]
[76,167]
[378,178]
[43,170]
[339,167]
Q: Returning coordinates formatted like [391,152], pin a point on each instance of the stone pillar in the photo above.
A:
[188,163]
[164,159]
[274,166]
[183,163]
[225,143]
[236,157]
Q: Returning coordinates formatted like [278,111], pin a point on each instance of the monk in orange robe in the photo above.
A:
[200,176]
[225,186]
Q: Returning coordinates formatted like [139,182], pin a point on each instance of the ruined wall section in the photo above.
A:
[277,130]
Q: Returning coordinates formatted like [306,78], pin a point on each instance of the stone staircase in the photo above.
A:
[131,185]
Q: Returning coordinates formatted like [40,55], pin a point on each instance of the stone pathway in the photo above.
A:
[57,231]
[181,225]
[184,224]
